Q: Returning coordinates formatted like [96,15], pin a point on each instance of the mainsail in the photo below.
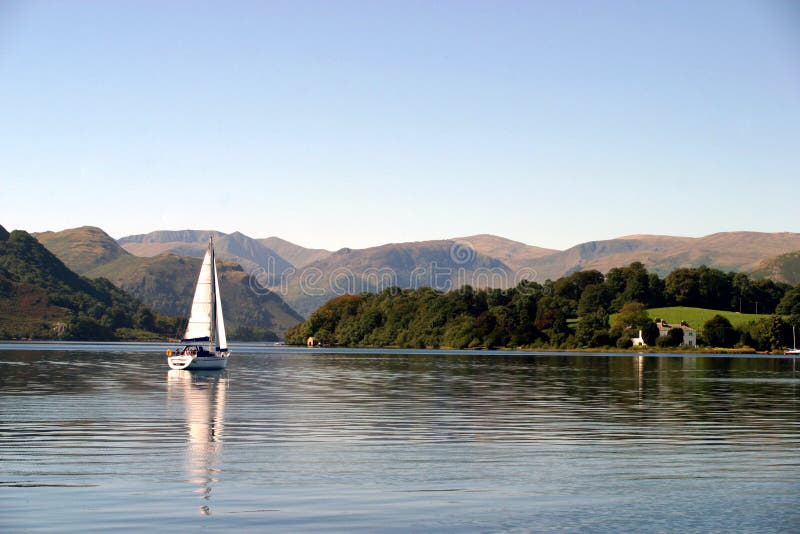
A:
[200,319]
[222,341]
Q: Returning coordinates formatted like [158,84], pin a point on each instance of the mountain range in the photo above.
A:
[159,267]
[308,277]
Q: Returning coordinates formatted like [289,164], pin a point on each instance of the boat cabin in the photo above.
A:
[192,350]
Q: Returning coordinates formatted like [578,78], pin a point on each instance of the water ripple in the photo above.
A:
[357,440]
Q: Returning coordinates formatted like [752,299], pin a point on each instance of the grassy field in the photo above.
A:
[696,317]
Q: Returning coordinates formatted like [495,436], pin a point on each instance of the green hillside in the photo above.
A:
[40,298]
[696,317]
[82,249]
[166,283]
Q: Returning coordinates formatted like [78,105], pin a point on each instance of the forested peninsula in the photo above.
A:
[586,309]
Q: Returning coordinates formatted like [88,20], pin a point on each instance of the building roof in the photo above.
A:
[663,325]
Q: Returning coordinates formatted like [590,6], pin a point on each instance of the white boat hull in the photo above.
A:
[188,362]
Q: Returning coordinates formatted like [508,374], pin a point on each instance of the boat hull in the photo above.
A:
[192,363]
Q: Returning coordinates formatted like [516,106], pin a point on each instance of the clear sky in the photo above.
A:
[338,123]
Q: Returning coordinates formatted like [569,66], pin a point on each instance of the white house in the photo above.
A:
[689,334]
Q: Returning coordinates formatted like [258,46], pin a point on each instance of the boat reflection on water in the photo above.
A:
[202,396]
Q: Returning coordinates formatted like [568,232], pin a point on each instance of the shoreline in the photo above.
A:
[647,350]
[269,344]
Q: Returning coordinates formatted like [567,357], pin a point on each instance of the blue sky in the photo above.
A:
[339,123]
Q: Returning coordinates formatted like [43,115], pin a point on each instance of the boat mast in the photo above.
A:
[213,296]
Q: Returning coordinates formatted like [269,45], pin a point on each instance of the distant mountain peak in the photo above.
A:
[297,255]
[82,248]
[172,236]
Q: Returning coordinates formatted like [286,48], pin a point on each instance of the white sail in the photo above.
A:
[222,341]
[199,327]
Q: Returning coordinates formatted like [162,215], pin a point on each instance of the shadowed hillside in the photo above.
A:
[41,298]
[784,268]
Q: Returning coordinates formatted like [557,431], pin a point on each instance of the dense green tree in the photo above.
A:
[655,296]
[674,337]
[765,295]
[615,281]
[592,329]
[551,316]
[633,315]
[650,333]
[571,287]
[682,287]
[711,288]
[637,284]
[790,303]
[769,333]
[718,332]
[624,342]
[776,332]
[594,298]
[144,319]
[631,284]
[742,291]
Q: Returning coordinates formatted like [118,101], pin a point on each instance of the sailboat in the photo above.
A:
[794,351]
[206,324]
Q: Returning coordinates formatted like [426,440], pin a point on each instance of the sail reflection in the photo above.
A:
[202,396]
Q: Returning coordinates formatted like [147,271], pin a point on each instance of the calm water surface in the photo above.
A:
[99,437]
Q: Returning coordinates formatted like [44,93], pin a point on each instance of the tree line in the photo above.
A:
[571,312]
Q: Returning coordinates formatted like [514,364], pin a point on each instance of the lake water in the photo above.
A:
[99,437]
